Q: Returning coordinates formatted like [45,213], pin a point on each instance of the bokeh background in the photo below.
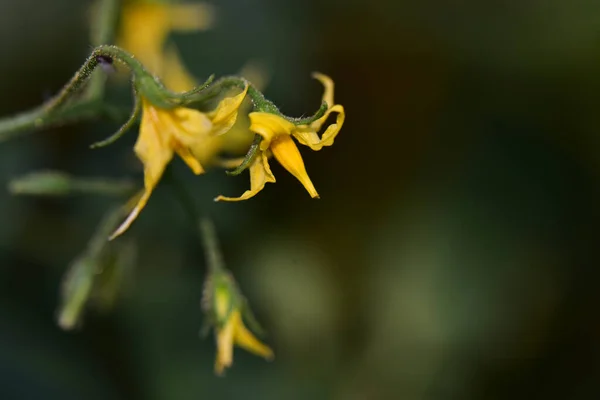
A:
[453,253]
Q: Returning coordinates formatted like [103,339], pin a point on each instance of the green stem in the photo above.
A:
[210,241]
[90,64]
[53,112]
[202,224]
[26,120]
[261,103]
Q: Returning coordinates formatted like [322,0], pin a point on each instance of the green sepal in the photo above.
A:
[248,158]
[137,109]
[250,318]
[309,120]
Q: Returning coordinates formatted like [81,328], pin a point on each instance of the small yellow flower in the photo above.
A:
[230,330]
[235,332]
[180,130]
[145,28]
[277,134]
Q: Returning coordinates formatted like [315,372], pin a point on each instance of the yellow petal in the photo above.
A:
[246,340]
[188,124]
[153,146]
[154,150]
[191,17]
[270,127]
[191,161]
[132,215]
[194,132]
[174,74]
[308,136]
[328,84]
[224,357]
[144,29]
[257,73]
[260,174]
[207,149]
[189,129]
[229,163]
[224,116]
[286,152]
[238,139]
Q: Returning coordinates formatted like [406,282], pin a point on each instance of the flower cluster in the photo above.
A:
[173,123]
[177,115]
[199,137]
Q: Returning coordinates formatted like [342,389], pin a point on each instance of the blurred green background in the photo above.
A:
[453,253]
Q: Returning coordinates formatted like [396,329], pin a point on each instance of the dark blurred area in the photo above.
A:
[453,253]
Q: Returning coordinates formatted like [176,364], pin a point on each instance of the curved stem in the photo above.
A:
[248,158]
[214,257]
[202,224]
[137,109]
[53,112]
[26,120]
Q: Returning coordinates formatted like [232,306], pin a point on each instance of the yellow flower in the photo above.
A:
[232,331]
[165,132]
[145,28]
[144,32]
[235,332]
[277,134]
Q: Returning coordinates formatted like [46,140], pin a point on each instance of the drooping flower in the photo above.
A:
[164,132]
[145,28]
[277,134]
[234,332]
[229,326]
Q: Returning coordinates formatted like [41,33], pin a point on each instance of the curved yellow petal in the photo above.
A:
[225,115]
[154,151]
[190,159]
[224,357]
[132,215]
[308,136]
[188,125]
[246,340]
[286,152]
[260,174]
[328,84]
[190,131]
[270,127]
